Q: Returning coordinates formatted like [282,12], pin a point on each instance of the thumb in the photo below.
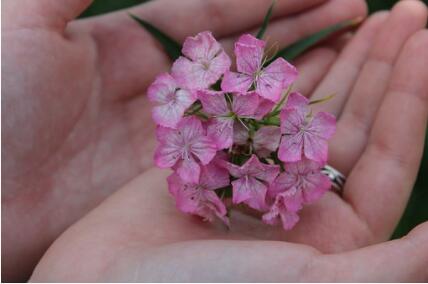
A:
[402,260]
[45,14]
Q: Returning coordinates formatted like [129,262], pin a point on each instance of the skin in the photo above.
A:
[78,128]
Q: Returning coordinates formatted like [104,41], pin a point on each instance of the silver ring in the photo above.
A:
[337,178]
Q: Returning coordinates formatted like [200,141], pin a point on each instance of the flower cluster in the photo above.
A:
[238,137]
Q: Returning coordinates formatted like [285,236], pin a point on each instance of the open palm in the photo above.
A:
[81,103]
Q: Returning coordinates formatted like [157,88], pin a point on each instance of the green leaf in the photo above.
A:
[292,51]
[266,20]
[172,48]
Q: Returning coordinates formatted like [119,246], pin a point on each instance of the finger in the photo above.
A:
[312,68]
[380,184]
[343,73]
[47,14]
[357,117]
[222,17]
[285,31]
[403,260]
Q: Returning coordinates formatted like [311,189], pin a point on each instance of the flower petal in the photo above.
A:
[245,105]
[292,121]
[220,130]
[250,191]
[204,148]
[296,100]
[275,78]
[291,148]
[236,82]
[240,134]
[323,125]
[214,103]
[266,140]
[317,185]
[189,170]
[315,148]
[213,176]
[201,46]
[249,54]
[265,106]
[161,90]
[190,128]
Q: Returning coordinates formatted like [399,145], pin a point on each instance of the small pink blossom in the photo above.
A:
[303,133]
[251,184]
[200,198]
[183,147]
[280,212]
[269,82]
[264,142]
[301,182]
[204,63]
[172,101]
[225,113]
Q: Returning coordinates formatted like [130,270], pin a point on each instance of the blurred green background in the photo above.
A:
[417,209]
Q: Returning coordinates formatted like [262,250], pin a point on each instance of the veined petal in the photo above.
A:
[167,155]
[189,170]
[220,130]
[190,128]
[250,191]
[236,82]
[279,211]
[266,139]
[249,54]
[317,184]
[323,125]
[292,121]
[291,148]
[215,204]
[315,148]
[249,39]
[275,78]
[214,103]
[265,106]
[201,46]
[168,115]
[240,134]
[296,100]
[190,75]
[214,176]
[204,148]
[162,89]
[245,105]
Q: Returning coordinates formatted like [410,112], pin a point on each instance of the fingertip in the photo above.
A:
[416,8]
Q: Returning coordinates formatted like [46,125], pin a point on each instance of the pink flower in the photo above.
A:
[303,133]
[172,100]
[264,142]
[269,82]
[251,184]
[225,113]
[181,148]
[204,63]
[200,198]
[302,182]
[279,211]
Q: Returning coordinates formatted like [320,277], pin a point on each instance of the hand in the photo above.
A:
[380,80]
[78,124]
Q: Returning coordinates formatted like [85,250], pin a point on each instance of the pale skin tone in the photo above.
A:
[77,127]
